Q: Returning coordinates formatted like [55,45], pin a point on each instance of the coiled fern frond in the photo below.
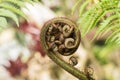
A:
[104,14]
[11,9]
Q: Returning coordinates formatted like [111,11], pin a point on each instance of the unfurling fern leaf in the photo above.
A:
[105,12]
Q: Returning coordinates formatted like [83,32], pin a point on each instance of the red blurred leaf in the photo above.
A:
[16,67]
[35,33]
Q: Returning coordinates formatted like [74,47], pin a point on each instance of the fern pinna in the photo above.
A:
[103,14]
[11,9]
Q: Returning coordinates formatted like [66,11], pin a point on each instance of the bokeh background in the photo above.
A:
[20,56]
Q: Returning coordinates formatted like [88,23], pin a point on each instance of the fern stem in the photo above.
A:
[75,72]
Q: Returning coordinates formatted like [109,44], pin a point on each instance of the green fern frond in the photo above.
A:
[83,6]
[92,19]
[110,27]
[97,15]
[10,14]
[12,9]
[105,24]
[74,8]
[115,35]
[16,2]
[3,22]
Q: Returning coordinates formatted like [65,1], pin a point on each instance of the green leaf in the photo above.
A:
[16,2]
[3,22]
[93,16]
[13,9]
[113,36]
[20,37]
[29,1]
[75,6]
[9,14]
[83,7]
[97,16]
[110,27]
[105,24]
[93,21]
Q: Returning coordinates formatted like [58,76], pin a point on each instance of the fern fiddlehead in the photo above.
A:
[60,36]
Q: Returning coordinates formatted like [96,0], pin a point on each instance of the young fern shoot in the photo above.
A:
[60,36]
